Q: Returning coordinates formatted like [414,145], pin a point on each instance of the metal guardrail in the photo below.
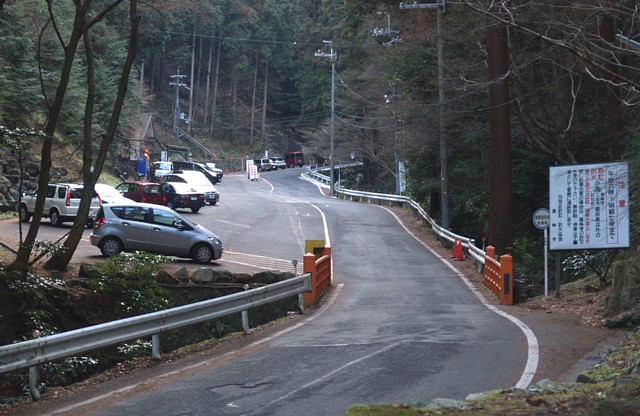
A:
[40,350]
[476,253]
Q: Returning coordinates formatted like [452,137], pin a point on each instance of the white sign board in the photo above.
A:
[589,206]
[252,171]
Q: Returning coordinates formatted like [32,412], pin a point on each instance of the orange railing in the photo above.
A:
[320,270]
[498,275]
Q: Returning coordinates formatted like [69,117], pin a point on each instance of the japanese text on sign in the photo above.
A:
[589,206]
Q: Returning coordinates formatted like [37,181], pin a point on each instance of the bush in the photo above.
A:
[129,280]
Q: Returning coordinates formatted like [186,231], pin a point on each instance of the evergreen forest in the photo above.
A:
[466,104]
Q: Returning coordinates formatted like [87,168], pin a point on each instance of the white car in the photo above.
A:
[277,163]
[61,204]
[108,194]
[198,181]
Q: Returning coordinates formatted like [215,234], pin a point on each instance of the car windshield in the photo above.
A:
[163,165]
[152,189]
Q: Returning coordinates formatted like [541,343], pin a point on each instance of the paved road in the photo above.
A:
[399,326]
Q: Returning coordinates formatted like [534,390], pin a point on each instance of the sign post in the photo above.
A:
[541,222]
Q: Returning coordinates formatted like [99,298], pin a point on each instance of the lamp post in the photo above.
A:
[444,147]
[333,56]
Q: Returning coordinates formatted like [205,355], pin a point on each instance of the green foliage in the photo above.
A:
[68,371]
[528,252]
[35,317]
[129,281]
[581,263]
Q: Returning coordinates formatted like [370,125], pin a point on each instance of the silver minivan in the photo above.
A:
[152,228]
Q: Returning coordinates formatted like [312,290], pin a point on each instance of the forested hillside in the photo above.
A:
[474,100]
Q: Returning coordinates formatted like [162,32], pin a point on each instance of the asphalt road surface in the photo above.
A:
[400,324]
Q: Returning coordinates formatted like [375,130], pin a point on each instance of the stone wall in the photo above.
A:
[10,169]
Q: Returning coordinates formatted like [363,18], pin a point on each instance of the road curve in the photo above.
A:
[402,325]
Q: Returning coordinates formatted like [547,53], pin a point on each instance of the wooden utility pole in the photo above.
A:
[500,224]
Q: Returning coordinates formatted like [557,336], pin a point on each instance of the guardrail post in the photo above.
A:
[506,272]
[33,383]
[155,346]
[309,266]
[245,322]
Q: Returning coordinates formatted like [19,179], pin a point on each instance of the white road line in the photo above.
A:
[534,348]
[234,224]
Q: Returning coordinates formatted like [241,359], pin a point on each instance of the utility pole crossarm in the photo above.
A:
[416,5]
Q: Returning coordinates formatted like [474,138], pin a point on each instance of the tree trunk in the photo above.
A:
[21,262]
[614,106]
[193,64]
[253,100]
[206,98]
[91,173]
[215,87]
[500,227]
[263,130]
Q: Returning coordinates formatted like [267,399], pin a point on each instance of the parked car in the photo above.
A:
[212,167]
[292,159]
[198,181]
[211,175]
[277,163]
[60,205]
[183,195]
[149,192]
[263,164]
[155,229]
[159,169]
[108,194]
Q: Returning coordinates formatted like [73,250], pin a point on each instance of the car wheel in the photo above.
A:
[54,218]
[202,253]
[213,203]
[23,212]
[195,209]
[89,223]
[170,204]
[110,246]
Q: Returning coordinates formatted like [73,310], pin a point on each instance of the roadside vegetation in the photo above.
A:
[88,83]
[121,286]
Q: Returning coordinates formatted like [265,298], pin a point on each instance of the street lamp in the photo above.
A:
[444,147]
[333,56]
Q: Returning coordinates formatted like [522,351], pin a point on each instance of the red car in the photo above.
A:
[149,192]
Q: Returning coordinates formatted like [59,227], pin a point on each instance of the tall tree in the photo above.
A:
[84,19]
[93,164]
[500,225]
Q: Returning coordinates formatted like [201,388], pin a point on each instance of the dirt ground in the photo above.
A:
[570,331]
